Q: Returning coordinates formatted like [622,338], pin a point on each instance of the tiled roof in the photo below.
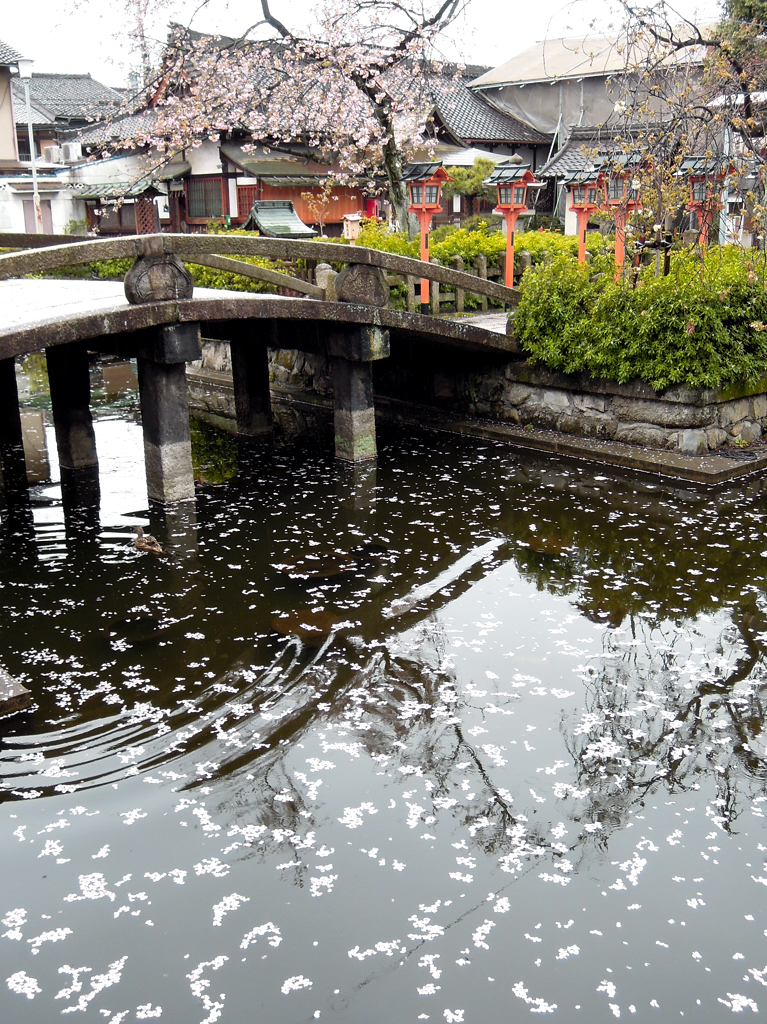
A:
[39,117]
[575,155]
[129,127]
[8,55]
[470,118]
[114,190]
[69,98]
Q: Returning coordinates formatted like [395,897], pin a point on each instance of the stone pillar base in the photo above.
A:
[250,375]
[165,419]
[13,472]
[69,381]
[354,414]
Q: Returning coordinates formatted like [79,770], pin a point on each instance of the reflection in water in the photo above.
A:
[457,733]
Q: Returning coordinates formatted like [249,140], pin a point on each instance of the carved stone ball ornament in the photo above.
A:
[157,279]
[361,283]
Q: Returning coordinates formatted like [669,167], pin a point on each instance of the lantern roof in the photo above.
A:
[433,171]
[585,176]
[704,167]
[508,173]
[618,162]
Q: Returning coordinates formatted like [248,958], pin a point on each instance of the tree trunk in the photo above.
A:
[392,160]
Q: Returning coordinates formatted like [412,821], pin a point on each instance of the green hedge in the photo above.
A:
[542,245]
[703,325]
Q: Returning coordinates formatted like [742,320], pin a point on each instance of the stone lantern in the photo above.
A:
[512,183]
[583,187]
[424,182]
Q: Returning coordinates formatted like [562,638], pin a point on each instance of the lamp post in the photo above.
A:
[584,189]
[512,184]
[425,184]
[621,196]
[25,74]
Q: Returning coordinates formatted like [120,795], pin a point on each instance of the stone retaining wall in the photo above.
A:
[511,390]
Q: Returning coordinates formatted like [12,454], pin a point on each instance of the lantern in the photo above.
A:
[621,197]
[706,179]
[584,196]
[512,183]
[424,182]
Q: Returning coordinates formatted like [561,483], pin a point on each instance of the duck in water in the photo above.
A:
[146,542]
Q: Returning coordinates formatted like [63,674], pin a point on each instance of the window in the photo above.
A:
[204,198]
[246,196]
[432,194]
[592,194]
[699,191]
[416,194]
[519,195]
[615,188]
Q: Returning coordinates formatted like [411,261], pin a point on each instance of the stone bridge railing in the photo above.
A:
[44,253]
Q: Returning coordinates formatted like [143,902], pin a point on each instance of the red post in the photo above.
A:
[621,217]
[583,223]
[510,216]
[424,218]
[705,223]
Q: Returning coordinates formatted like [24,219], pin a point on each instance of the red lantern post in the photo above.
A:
[512,183]
[706,179]
[621,197]
[584,191]
[425,184]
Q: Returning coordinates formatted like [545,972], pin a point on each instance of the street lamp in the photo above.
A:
[621,197]
[706,178]
[424,182]
[24,65]
[512,183]
[584,189]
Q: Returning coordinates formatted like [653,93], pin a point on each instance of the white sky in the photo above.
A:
[85,35]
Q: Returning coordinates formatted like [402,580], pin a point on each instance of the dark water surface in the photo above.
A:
[463,737]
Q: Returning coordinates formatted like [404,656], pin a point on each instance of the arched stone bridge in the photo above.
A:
[159,321]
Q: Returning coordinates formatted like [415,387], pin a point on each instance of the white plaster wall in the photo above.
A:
[205,159]
[119,168]
[571,221]
[11,211]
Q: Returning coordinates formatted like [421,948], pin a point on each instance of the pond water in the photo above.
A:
[463,737]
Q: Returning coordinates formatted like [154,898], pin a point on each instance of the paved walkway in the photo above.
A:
[495,322]
[28,302]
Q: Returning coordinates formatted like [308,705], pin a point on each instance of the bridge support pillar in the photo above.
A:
[165,411]
[352,349]
[354,410]
[13,473]
[250,374]
[70,388]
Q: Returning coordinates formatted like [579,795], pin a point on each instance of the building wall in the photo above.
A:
[8,149]
[342,201]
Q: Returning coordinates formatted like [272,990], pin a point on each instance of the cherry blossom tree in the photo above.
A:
[689,88]
[355,91]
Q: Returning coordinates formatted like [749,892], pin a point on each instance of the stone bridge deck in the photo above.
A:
[38,314]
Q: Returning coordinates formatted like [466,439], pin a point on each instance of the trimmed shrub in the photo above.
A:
[704,325]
